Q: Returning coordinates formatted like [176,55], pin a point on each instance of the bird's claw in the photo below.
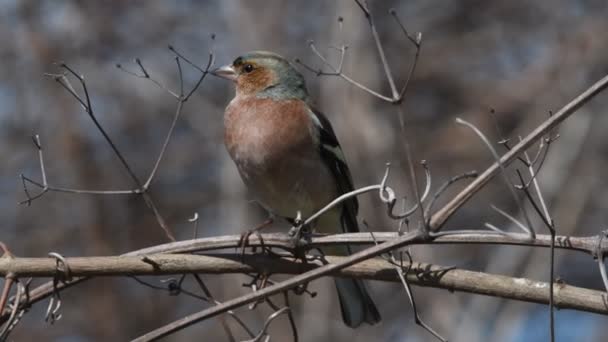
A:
[244,240]
[299,235]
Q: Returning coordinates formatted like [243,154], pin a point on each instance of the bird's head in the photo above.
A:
[264,74]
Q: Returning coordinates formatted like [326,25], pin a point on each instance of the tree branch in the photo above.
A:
[586,244]
[589,244]
[421,274]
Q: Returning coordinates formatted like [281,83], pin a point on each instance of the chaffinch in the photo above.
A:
[289,158]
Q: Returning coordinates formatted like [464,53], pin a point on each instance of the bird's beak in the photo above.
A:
[226,71]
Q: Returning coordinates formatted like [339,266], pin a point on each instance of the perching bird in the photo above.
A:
[289,158]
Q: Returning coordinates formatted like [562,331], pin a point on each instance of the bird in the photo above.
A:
[289,158]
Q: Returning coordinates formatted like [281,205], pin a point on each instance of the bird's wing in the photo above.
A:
[332,155]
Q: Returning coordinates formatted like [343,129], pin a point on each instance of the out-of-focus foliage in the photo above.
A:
[521,58]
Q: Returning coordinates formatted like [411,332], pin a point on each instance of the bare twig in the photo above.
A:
[86,103]
[147,76]
[402,272]
[442,215]
[174,287]
[444,187]
[409,212]
[528,227]
[396,97]
[88,108]
[141,189]
[272,317]
[292,321]
[417,41]
[513,220]
[45,187]
[15,314]
[601,254]
[387,70]
[9,280]
[181,99]
[543,212]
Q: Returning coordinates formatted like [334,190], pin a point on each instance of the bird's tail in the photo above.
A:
[356,304]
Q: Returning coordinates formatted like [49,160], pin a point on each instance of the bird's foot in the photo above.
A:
[244,239]
[300,236]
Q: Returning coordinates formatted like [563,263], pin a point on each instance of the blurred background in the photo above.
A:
[520,58]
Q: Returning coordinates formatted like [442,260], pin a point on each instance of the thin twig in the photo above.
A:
[292,321]
[601,254]
[180,103]
[14,317]
[269,320]
[9,280]
[86,102]
[528,227]
[408,212]
[417,41]
[512,219]
[442,215]
[379,47]
[602,267]
[399,267]
[550,224]
[444,187]
[337,71]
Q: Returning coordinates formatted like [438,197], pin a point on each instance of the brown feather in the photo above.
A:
[273,146]
[255,81]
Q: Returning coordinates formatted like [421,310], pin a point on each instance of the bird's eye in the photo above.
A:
[248,68]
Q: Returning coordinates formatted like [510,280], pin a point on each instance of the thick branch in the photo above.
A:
[566,296]
[584,244]
[587,244]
